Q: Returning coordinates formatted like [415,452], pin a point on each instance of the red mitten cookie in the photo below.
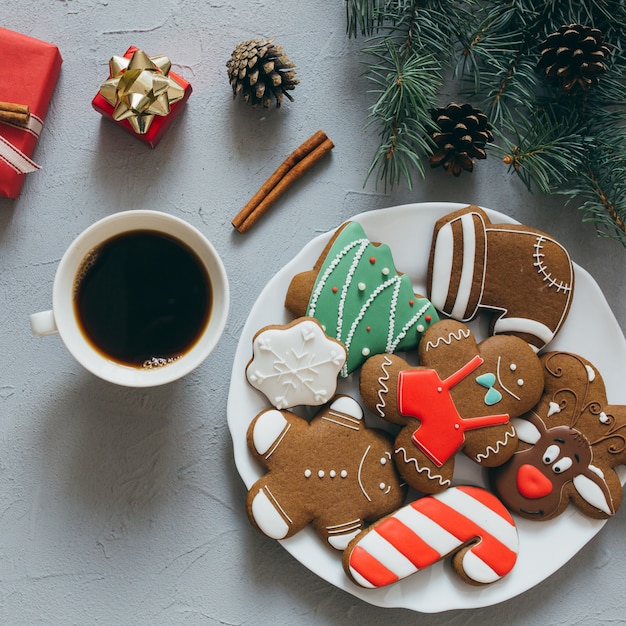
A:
[334,473]
[460,398]
[360,299]
[468,522]
[568,446]
[521,275]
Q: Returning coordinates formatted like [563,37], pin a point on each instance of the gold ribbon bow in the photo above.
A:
[140,88]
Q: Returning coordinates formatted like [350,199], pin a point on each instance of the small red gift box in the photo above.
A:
[160,123]
[30,69]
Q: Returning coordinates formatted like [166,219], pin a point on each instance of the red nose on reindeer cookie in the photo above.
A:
[460,397]
[332,472]
[521,275]
[568,446]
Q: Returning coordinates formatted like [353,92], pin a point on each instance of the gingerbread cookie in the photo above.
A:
[460,397]
[334,473]
[467,522]
[521,275]
[569,445]
[360,299]
[295,364]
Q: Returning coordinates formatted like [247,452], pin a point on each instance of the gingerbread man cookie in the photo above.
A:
[569,445]
[332,472]
[460,397]
[521,275]
[360,299]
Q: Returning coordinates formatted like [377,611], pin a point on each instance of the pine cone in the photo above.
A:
[574,57]
[259,70]
[464,133]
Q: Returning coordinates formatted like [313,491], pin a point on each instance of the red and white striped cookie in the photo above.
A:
[468,522]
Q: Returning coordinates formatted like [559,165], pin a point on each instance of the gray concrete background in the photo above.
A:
[123,506]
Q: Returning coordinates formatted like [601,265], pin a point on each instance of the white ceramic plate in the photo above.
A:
[590,330]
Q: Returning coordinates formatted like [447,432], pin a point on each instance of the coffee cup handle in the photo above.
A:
[43,324]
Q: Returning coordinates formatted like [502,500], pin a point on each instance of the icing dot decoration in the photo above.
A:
[344,473]
[420,328]
[520,381]
[362,286]
[382,486]
[307,473]
[321,473]
[512,367]
[365,352]
[332,473]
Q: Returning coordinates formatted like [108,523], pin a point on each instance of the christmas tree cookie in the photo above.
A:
[357,295]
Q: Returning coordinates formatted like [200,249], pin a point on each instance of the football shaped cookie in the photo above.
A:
[460,397]
[569,445]
[360,299]
[332,472]
[521,275]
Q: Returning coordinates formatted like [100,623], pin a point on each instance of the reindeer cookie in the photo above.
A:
[333,472]
[460,397]
[568,446]
[521,275]
[360,299]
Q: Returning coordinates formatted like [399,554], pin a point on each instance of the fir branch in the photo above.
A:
[548,149]
[406,87]
[571,145]
[406,65]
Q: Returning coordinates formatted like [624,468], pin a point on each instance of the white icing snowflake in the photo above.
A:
[296,364]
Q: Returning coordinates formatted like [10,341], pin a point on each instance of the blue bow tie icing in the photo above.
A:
[493,396]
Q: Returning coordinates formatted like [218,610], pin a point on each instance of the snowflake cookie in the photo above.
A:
[295,364]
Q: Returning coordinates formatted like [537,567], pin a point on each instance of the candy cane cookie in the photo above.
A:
[467,522]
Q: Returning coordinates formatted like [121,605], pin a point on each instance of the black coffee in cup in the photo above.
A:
[142,298]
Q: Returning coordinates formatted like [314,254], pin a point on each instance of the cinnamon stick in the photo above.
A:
[292,168]
[14,113]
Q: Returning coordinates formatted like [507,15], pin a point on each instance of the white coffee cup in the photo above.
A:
[62,318]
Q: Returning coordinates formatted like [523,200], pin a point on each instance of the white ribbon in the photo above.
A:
[14,157]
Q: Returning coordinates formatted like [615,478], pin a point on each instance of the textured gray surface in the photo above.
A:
[124,506]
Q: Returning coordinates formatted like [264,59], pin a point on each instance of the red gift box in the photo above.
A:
[30,69]
[160,123]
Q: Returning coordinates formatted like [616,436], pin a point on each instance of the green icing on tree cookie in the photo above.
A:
[360,299]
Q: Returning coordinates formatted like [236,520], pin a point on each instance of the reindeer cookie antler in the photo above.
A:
[569,445]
